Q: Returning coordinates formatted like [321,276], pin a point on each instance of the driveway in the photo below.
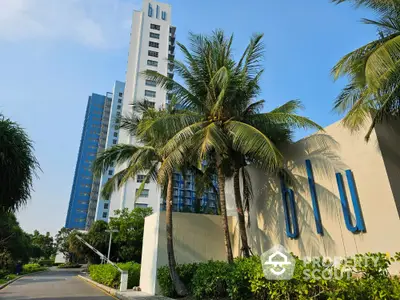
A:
[54,284]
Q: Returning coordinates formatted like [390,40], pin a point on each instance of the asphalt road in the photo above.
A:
[54,284]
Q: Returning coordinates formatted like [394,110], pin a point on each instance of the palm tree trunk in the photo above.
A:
[225,226]
[177,282]
[241,219]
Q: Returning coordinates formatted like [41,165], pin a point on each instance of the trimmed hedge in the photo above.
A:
[46,262]
[30,268]
[108,275]
[244,279]
[69,266]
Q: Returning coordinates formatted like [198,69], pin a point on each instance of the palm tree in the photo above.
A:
[145,157]
[18,165]
[373,71]
[221,93]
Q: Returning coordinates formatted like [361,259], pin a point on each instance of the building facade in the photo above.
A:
[102,208]
[345,200]
[152,47]
[85,187]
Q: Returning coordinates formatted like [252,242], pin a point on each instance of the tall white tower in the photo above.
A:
[152,44]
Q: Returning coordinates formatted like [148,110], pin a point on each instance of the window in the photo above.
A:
[154,26]
[120,94]
[119,100]
[152,63]
[150,104]
[105,205]
[115,134]
[144,193]
[83,202]
[83,194]
[148,93]
[151,82]
[141,205]
[110,172]
[154,35]
[153,53]
[114,142]
[104,215]
[154,44]
[118,113]
[141,178]
[118,106]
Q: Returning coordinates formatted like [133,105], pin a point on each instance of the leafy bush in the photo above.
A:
[211,280]
[46,262]
[69,266]
[29,268]
[185,272]
[108,275]
[363,277]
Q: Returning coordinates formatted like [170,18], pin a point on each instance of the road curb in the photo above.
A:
[19,277]
[108,290]
[118,295]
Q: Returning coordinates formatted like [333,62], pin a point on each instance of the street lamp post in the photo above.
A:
[109,244]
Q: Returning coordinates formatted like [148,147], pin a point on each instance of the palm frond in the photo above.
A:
[115,155]
[248,140]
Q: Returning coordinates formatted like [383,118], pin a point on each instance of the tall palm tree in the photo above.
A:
[373,71]
[145,157]
[18,165]
[221,92]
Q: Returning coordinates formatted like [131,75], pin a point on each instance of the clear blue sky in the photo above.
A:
[54,53]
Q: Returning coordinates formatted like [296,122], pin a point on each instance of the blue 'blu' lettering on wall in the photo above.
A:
[150,10]
[157,12]
[314,199]
[360,226]
[289,209]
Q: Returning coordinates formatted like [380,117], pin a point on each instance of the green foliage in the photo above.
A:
[211,280]
[373,70]
[46,262]
[363,277]
[30,268]
[127,243]
[15,244]
[69,266]
[108,275]
[18,165]
[43,245]
[185,272]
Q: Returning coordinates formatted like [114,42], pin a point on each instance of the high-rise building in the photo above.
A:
[152,47]
[85,187]
[100,211]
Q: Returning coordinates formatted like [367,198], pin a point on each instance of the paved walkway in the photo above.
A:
[55,284]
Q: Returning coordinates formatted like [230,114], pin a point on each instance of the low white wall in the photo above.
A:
[197,238]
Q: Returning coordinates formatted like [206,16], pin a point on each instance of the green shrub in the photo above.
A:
[364,277]
[69,266]
[133,269]
[108,275]
[185,272]
[46,262]
[29,268]
[211,280]
[239,287]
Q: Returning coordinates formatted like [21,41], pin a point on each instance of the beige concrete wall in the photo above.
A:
[196,238]
[334,151]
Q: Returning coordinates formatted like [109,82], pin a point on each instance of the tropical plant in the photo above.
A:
[226,124]
[145,157]
[18,165]
[372,94]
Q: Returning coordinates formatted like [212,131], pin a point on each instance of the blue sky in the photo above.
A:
[54,53]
